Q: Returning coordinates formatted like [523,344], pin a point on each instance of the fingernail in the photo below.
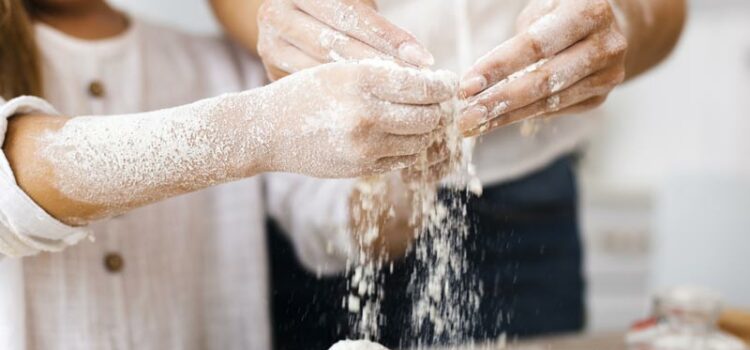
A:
[414,53]
[473,117]
[471,85]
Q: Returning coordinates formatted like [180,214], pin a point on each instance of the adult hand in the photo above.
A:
[299,34]
[352,119]
[579,51]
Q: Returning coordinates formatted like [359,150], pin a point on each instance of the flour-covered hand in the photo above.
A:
[577,51]
[299,34]
[434,165]
[353,119]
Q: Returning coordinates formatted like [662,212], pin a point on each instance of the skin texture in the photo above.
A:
[589,53]
[736,322]
[299,34]
[290,37]
[587,48]
[240,26]
[385,130]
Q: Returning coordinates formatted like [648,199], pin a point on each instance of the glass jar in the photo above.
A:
[683,319]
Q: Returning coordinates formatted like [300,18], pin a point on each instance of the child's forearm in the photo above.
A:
[85,168]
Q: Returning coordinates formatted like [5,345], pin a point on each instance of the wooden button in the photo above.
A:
[113,262]
[96,89]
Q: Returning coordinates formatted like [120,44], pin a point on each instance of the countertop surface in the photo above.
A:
[612,341]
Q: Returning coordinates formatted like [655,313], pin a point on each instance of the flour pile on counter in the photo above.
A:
[357,345]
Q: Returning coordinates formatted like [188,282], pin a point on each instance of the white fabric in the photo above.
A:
[322,249]
[504,154]
[195,266]
[21,230]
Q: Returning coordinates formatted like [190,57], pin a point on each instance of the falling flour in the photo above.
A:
[445,298]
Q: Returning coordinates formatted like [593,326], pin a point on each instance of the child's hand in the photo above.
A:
[354,119]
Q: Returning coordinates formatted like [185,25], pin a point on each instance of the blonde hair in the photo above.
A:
[20,71]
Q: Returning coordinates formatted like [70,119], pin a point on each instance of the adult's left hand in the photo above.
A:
[579,52]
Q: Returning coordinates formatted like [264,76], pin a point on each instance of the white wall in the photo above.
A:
[191,15]
[677,144]
[691,114]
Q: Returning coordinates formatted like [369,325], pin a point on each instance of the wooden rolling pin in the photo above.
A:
[736,322]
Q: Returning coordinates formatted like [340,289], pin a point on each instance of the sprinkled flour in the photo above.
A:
[357,345]
[444,298]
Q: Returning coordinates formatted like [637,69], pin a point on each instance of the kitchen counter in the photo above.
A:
[612,341]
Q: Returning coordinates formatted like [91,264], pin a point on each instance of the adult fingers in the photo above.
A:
[363,22]
[544,38]
[281,58]
[562,71]
[589,93]
[392,83]
[320,40]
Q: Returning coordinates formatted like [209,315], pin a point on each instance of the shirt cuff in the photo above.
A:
[25,228]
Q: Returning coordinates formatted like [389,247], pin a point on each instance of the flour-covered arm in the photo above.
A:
[25,228]
[340,120]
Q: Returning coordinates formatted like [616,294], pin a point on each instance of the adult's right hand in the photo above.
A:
[299,34]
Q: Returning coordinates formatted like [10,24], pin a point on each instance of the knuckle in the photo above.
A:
[264,12]
[617,44]
[601,9]
[364,152]
[434,116]
[268,12]
[366,122]
[542,81]
[424,142]
[537,48]
[365,75]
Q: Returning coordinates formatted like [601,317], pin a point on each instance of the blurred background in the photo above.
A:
[666,182]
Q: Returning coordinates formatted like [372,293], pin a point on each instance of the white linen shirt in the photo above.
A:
[194,273]
[504,154]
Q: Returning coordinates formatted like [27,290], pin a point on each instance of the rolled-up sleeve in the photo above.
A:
[25,228]
[314,214]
